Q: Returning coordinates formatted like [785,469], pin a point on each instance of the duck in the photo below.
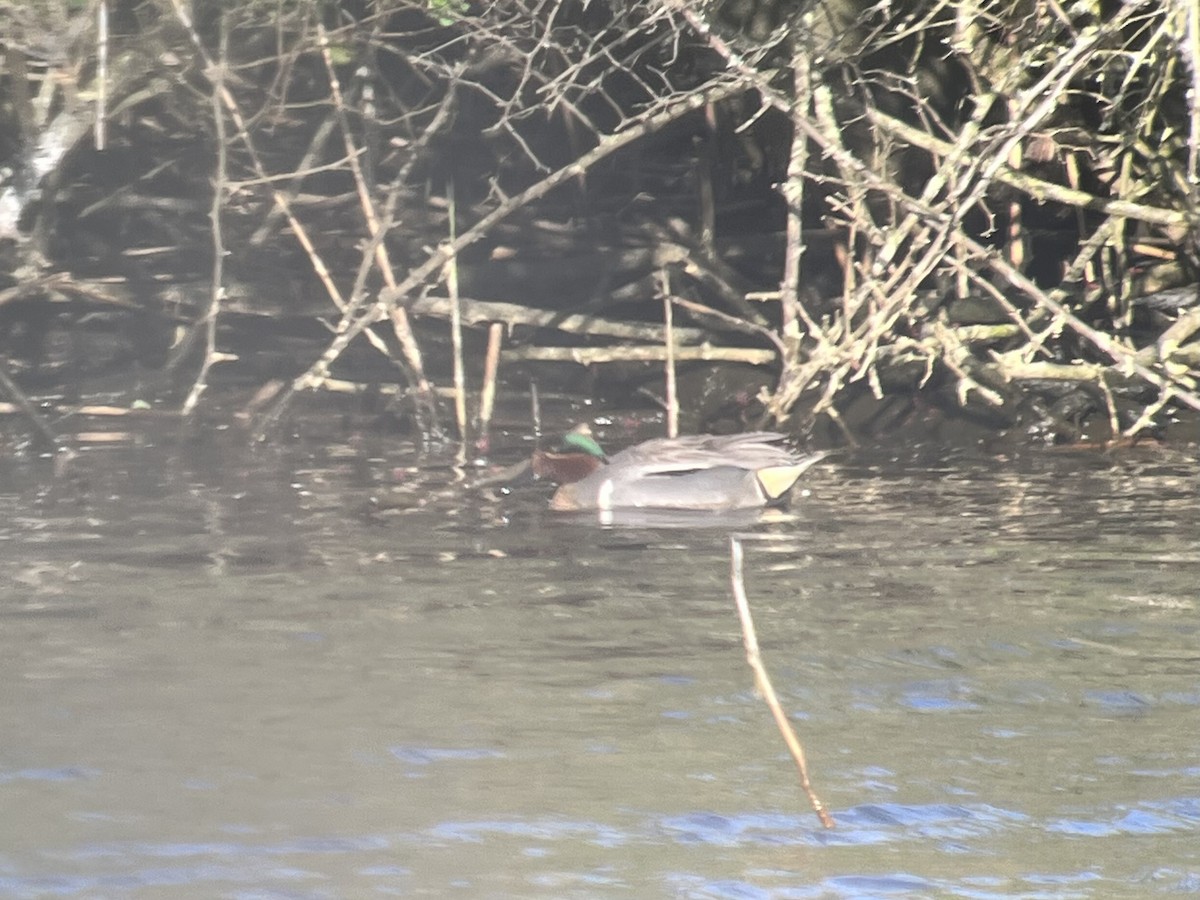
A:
[717,473]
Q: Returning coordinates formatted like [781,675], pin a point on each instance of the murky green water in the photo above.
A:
[221,680]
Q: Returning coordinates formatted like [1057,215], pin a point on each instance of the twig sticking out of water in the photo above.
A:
[762,681]
[487,397]
[456,333]
[664,283]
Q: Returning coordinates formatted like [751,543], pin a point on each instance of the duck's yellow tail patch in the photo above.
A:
[776,481]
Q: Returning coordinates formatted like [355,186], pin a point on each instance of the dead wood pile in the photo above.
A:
[993,201]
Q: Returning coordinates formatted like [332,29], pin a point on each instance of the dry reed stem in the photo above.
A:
[1189,44]
[762,680]
[220,187]
[487,395]
[99,130]
[669,339]
[535,412]
[456,335]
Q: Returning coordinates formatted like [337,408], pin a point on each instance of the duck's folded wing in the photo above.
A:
[665,456]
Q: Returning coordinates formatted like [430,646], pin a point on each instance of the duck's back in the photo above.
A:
[697,472]
[753,450]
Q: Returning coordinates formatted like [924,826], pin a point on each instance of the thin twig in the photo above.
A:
[763,681]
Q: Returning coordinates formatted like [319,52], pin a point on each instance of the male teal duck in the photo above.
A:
[699,472]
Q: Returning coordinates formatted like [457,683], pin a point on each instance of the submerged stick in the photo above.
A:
[763,682]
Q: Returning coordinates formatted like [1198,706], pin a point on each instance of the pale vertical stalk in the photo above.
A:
[456,337]
[787,390]
[669,337]
[220,186]
[535,411]
[1015,239]
[1015,249]
[487,396]
[1191,54]
[793,195]
[100,135]
[705,163]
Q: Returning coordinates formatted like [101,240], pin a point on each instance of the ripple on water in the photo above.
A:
[424,756]
[1118,702]
[874,823]
[541,829]
[1008,696]
[63,773]
[222,866]
[1158,817]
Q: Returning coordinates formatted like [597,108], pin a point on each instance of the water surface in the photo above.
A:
[222,678]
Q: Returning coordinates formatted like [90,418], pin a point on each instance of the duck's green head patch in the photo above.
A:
[581,439]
